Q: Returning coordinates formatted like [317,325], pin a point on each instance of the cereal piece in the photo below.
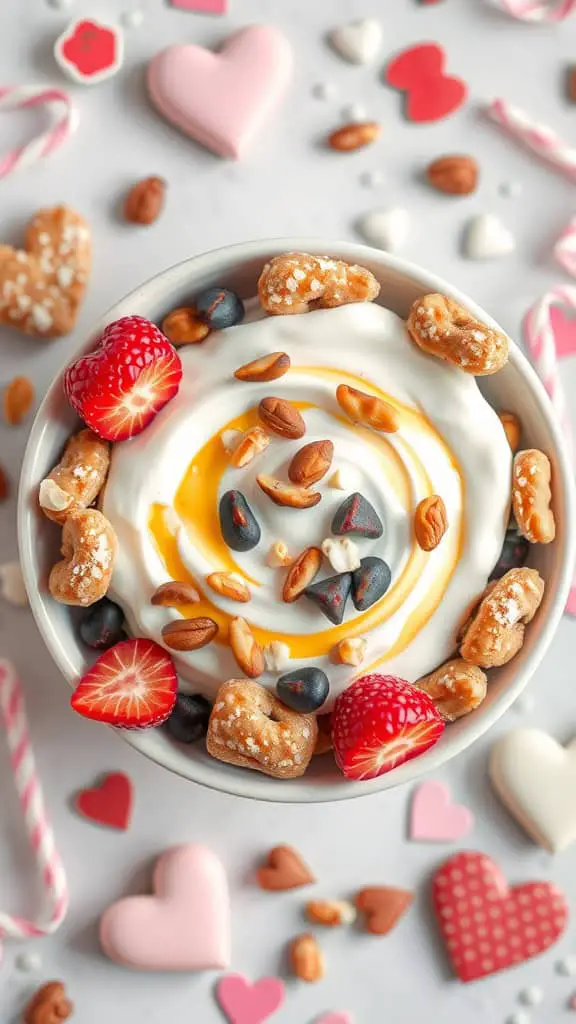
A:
[455,688]
[145,201]
[18,400]
[383,907]
[250,728]
[247,652]
[251,444]
[531,496]
[447,330]
[330,913]
[297,282]
[343,554]
[278,555]
[430,522]
[42,287]
[284,869]
[351,651]
[78,478]
[276,656]
[494,633]
[49,1005]
[183,326]
[306,960]
[512,429]
[89,548]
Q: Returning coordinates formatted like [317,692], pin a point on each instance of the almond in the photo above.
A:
[367,410]
[189,634]
[226,584]
[311,463]
[354,136]
[245,649]
[512,429]
[330,913]
[4,485]
[251,444]
[183,326]
[456,175]
[266,368]
[430,522]
[301,574]
[145,200]
[288,495]
[281,417]
[306,960]
[18,399]
[174,593]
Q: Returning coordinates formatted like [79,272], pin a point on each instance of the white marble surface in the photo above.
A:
[288,185]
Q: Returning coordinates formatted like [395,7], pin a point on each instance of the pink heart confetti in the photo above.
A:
[201,6]
[434,818]
[564,328]
[246,1002]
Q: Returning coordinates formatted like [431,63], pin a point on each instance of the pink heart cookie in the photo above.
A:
[244,1002]
[434,818]
[184,926]
[223,99]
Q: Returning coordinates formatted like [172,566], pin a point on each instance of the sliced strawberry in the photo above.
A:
[132,686]
[120,387]
[379,722]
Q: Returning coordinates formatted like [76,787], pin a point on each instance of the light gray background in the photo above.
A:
[289,185]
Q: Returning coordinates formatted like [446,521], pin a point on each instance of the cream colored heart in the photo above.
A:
[359,41]
[535,777]
[386,229]
[487,238]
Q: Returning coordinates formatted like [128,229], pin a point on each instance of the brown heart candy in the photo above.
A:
[383,907]
[284,869]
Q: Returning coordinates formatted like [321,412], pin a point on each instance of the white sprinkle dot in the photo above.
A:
[324,90]
[531,996]
[28,962]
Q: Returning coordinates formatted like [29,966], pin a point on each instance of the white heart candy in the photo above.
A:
[535,777]
[359,41]
[386,229]
[486,238]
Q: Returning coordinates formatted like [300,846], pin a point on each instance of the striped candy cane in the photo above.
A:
[64,123]
[40,835]
[536,137]
[536,10]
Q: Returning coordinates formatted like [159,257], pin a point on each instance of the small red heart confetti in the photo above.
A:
[109,803]
[430,93]
[488,926]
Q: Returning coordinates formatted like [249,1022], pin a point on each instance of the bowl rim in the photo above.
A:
[254,785]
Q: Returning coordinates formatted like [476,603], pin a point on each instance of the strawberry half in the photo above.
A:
[132,686]
[120,387]
[379,722]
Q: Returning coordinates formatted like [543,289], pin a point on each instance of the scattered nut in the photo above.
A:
[49,1005]
[367,410]
[287,495]
[494,632]
[343,554]
[174,593]
[189,634]
[230,440]
[264,369]
[4,485]
[456,688]
[351,651]
[281,417]
[183,326]
[354,136]
[145,200]
[228,585]
[18,399]
[430,522]
[276,656]
[278,555]
[251,444]
[306,960]
[531,496]
[246,650]
[449,331]
[455,175]
[311,463]
[301,574]
[330,913]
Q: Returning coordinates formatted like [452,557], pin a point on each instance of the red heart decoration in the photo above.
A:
[109,803]
[488,926]
[431,94]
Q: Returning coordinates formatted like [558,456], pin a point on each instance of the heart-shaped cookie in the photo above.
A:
[223,99]
[284,869]
[109,803]
[245,1002]
[184,926]
[383,906]
[488,926]
[42,286]
[433,816]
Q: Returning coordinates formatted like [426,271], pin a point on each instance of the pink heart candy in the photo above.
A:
[434,818]
[564,328]
[201,6]
[184,926]
[334,1018]
[223,99]
[571,602]
[245,1002]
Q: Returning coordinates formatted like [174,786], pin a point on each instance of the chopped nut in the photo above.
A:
[245,649]
[278,555]
[230,440]
[343,554]
[306,958]
[351,651]
[287,495]
[264,369]
[301,574]
[184,327]
[18,399]
[330,913]
[344,479]
[430,522]
[276,656]
[367,410]
[251,444]
[229,585]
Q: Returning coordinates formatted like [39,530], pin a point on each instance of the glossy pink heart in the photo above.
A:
[223,99]
[184,926]
[564,328]
[245,1002]
[434,818]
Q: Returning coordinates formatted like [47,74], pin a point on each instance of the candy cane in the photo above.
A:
[40,835]
[65,121]
[537,137]
[536,10]
[565,248]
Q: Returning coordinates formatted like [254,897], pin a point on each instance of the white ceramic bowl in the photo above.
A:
[516,388]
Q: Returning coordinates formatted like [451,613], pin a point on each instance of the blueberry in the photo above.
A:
[330,595]
[101,626]
[514,554]
[189,719]
[305,689]
[219,308]
[238,523]
[370,582]
[357,516]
